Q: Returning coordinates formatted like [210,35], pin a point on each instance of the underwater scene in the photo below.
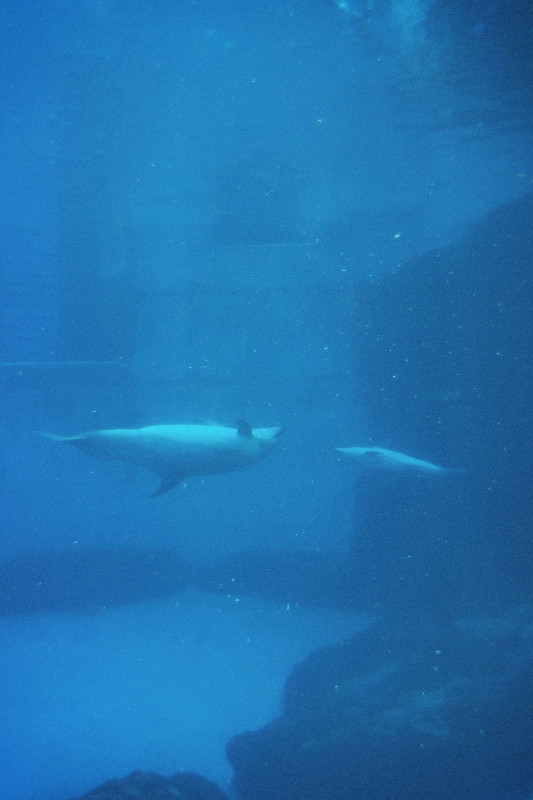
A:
[266,381]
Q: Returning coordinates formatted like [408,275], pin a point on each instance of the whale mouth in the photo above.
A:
[268,433]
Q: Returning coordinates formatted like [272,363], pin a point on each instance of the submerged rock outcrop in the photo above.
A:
[70,580]
[302,577]
[400,715]
[444,372]
[151,786]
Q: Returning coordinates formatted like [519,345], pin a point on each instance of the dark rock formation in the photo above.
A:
[444,373]
[150,786]
[392,715]
[88,579]
[296,577]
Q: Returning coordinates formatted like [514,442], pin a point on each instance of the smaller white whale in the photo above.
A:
[379,458]
[175,452]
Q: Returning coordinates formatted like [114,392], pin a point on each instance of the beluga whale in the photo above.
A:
[176,452]
[379,458]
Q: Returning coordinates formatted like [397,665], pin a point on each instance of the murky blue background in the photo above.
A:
[205,209]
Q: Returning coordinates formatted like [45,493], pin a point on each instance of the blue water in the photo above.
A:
[210,213]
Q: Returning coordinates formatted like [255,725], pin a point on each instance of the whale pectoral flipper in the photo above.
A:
[167,483]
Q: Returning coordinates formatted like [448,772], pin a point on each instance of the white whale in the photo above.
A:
[379,458]
[175,452]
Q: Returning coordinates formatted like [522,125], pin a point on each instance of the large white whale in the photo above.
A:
[380,458]
[175,452]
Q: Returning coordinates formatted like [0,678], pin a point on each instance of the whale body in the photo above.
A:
[380,458]
[176,452]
